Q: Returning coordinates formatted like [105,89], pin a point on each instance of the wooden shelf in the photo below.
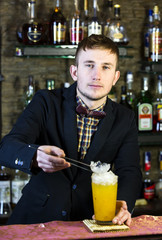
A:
[150,139]
[59,51]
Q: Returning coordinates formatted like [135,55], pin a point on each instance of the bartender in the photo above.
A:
[81,123]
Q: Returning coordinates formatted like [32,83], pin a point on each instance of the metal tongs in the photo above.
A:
[70,160]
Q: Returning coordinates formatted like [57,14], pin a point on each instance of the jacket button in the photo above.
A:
[74,186]
[16,161]
[64,213]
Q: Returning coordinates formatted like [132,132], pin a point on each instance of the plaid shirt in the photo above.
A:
[86,127]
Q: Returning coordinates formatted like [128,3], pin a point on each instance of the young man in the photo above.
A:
[53,126]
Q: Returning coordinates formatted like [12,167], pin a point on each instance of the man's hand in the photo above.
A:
[50,159]
[122,214]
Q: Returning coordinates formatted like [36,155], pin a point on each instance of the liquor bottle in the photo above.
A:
[29,93]
[123,99]
[5,195]
[155,53]
[109,16]
[57,26]
[33,31]
[157,107]
[94,26]
[117,31]
[85,18]
[144,108]
[112,94]
[148,184]
[130,92]
[50,84]
[158,186]
[147,31]
[17,184]
[76,26]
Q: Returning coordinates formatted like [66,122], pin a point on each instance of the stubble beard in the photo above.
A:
[89,97]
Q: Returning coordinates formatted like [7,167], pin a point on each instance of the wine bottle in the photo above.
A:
[33,31]
[76,26]
[117,31]
[50,84]
[123,100]
[109,16]
[29,93]
[147,31]
[155,53]
[94,26]
[149,184]
[57,26]
[112,94]
[144,107]
[130,92]
[85,18]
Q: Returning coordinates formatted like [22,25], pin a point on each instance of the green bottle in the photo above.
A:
[144,108]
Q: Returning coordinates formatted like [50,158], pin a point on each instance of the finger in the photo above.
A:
[122,216]
[51,166]
[57,152]
[53,169]
[128,222]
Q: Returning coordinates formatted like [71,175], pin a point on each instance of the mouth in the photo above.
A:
[95,86]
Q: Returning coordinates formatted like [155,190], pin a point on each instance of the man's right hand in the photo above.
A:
[50,159]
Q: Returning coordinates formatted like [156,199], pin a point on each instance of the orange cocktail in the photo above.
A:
[104,191]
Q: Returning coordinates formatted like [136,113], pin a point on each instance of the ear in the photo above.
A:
[73,72]
[117,76]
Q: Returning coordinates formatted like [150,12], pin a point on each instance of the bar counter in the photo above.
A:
[142,227]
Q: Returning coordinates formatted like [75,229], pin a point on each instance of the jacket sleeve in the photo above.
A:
[14,147]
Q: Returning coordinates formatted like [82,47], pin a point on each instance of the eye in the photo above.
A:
[89,65]
[106,67]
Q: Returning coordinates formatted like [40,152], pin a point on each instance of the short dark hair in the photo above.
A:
[97,41]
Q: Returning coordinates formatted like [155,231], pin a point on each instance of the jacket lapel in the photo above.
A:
[100,136]
[70,126]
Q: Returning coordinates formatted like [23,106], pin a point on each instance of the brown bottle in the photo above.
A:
[33,31]
[57,26]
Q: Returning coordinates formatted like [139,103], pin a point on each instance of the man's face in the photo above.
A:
[95,74]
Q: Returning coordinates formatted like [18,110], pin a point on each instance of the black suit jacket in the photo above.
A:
[66,195]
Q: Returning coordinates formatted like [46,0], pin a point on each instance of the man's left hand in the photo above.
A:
[122,214]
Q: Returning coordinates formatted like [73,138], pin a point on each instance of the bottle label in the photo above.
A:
[5,191]
[59,33]
[160,161]
[94,28]
[149,190]
[156,45]
[117,36]
[145,117]
[159,110]
[76,35]
[34,36]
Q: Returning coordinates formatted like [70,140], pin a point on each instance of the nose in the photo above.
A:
[97,73]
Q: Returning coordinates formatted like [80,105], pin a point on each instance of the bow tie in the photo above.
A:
[83,111]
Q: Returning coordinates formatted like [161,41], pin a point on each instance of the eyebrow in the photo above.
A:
[90,61]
